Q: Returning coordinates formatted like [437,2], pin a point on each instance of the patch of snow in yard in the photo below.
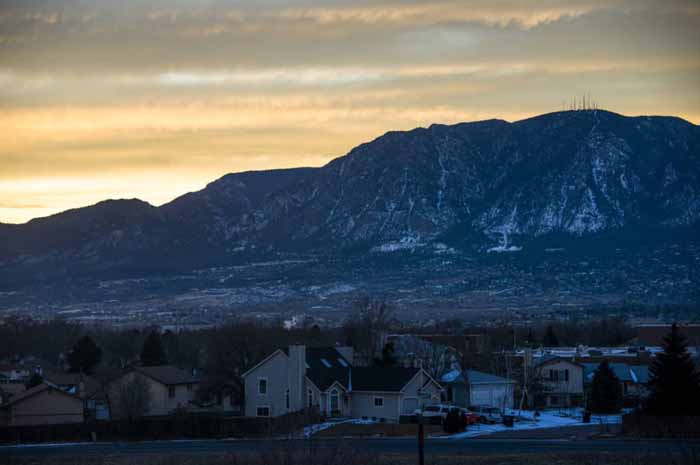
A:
[546,420]
[313,429]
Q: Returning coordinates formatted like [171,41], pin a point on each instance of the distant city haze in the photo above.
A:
[118,99]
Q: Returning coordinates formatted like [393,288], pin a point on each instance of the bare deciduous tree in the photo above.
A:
[369,321]
[131,397]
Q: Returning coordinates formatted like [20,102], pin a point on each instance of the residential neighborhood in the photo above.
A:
[405,375]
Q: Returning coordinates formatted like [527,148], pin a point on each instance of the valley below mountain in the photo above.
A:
[565,211]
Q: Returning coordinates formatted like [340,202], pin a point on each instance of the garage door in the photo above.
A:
[480,395]
[409,405]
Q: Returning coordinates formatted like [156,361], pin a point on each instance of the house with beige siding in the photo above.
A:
[295,378]
[562,381]
[44,404]
[168,388]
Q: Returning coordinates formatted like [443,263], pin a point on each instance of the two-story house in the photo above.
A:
[562,382]
[167,388]
[295,378]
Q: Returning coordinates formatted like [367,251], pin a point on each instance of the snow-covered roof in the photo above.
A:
[475,377]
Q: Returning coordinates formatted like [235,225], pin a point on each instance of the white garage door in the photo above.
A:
[494,395]
[481,395]
[409,405]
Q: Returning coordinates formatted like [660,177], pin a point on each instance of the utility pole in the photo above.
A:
[421,441]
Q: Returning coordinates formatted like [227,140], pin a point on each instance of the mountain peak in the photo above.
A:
[573,173]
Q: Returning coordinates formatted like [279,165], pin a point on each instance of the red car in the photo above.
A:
[471,417]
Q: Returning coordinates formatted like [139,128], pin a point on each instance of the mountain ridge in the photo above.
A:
[476,185]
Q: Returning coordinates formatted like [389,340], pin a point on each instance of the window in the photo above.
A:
[262,411]
[379,402]
[566,375]
[189,388]
[262,386]
[171,391]
[286,399]
[310,398]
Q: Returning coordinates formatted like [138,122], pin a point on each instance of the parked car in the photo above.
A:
[472,418]
[487,414]
[437,410]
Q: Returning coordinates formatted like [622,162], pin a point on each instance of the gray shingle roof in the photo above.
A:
[476,377]
[168,374]
[623,371]
[381,379]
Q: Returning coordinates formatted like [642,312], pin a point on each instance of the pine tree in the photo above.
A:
[674,381]
[84,356]
[606,392]
[153,352]
[388,358]
[550,339]
[454,422]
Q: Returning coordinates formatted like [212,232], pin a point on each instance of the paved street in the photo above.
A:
[434,446]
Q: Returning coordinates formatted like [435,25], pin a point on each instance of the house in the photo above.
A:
[84,387]
[484,389]
[562,382]
[296,378]
[167,388]
[44,404]
[633,378]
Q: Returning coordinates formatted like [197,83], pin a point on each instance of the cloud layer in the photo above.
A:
[106,99]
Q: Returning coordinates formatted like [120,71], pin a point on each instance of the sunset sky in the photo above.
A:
[121,99]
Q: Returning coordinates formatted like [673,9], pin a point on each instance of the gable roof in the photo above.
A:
[623,371]
[37,390]
[382,379]
[475,377]
[323,378]
[318,359]
[69,381]
[325,358]
[168,374]
[264,361]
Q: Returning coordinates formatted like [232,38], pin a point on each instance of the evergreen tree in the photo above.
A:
[674,381]
[153,352]
[35,380]
[550,339]
[388,359]
[84,356]
[454,422]
[606,391]
[530,338]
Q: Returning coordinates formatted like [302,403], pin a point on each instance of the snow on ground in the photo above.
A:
[313,429]
[547,419]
